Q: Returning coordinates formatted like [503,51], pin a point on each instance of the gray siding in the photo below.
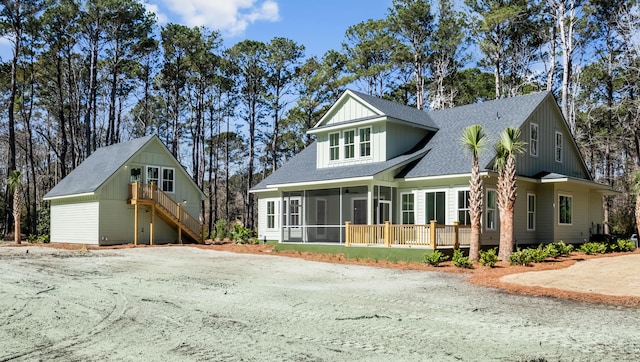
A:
[400,139]
[549,121]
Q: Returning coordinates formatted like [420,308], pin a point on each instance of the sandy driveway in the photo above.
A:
[618,276]
[188,304]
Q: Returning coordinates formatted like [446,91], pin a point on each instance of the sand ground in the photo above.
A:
[189,304]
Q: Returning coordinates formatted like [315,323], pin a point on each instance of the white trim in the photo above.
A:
[439,177]
[457,205]
[345,144]
[537,140]
[338,127]
[314,183]
[535,206]
[146,174]
[558,209]
[494,209]
[390,205]
[370,155]
[336,146]
[446,199]
[555,147]
[173,181]
[413,210]
[274,215]
[68,196]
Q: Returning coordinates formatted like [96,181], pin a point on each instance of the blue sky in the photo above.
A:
[319,25]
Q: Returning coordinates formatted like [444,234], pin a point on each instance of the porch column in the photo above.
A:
[135,223]
[341,217]
[152,217]
[369,204]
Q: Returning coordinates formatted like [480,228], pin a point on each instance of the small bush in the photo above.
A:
[460,260]
[489,257]
[539,254]
[593,248]
[558,249]
[435,258]
[38,239]
[241,234]
[221,229]
[521,257]
[623,245]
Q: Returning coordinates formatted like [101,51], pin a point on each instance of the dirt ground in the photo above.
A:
[188,303]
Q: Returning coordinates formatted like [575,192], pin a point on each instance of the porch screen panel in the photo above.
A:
[435,207]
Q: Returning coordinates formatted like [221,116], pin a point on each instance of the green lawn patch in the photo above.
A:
[357,252]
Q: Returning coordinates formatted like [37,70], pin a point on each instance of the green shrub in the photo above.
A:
[435,258]
[241,234]
[221,229]
[623,245]
[489,257]
[593,248]
[558,249]
[460,260]
[38,239]
[539,254]
[521,257]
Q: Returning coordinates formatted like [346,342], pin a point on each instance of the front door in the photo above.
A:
[360,211]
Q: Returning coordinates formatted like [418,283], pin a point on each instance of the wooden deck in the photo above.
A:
[160,204]
[432,236]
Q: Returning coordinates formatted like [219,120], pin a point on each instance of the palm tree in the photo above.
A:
[473,138]
[506,149]
[14,181]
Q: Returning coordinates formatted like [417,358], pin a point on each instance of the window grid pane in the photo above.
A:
[491,210]
[407,209]
[365,142]
[533,142]
[334,146]
[349,144]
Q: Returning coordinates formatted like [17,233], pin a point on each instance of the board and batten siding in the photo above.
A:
[349,110]
[578,230]
[76,222]
[263,230]
[378,146]
[549,120]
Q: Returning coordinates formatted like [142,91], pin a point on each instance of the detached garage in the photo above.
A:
[131,192]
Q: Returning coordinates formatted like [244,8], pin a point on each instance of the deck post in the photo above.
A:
[387,234]
[179,223]
[347,233]
[456,242]
[135,223]
[432,234]
[153,214]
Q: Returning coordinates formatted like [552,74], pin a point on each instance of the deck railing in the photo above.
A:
[431,235]
[151,192]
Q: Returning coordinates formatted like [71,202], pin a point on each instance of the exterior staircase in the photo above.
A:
[168,210]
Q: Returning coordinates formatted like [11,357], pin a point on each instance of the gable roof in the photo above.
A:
[98,168]
[494,116]
[383,108]
[302,168]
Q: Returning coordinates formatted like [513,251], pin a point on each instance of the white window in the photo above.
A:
[349,144]
[408,209]
[464,217]
[533,139]
[334,146]
[168,179]
[558,147]
[491,209]
[565,209]
[531,212]
[435,207]
[365,142]
[271,215]
[294,212]
[153,174]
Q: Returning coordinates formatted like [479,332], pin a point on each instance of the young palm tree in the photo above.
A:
[15,184]
[473,138]
[507,148]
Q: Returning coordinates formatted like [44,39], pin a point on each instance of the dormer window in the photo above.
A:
[365,142]
[533,139]
[349,144]
[334,146]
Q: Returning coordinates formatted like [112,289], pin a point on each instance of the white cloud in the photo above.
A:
[161,18]
[228,16]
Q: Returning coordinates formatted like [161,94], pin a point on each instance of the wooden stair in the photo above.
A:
[168,210]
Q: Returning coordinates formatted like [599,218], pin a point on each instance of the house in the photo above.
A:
[131,192]
[375,161]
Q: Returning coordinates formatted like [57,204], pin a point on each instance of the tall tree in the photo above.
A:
[282,62]
[248,56]
[507,148]
[446,56]
[412,22]
[474,140]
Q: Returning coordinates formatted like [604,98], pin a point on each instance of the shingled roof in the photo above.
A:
[446,149]
[97,169]
[440,156]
